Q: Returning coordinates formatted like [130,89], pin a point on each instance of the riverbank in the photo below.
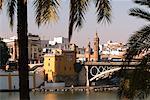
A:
[79,88]
[65,89]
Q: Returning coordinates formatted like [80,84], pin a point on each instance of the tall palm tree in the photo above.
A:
[46,11]
[137,83]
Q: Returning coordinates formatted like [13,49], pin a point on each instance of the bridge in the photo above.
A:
[101,70]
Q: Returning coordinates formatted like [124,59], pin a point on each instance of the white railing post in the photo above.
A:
[87,76]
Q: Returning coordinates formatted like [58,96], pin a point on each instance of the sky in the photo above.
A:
[119,30]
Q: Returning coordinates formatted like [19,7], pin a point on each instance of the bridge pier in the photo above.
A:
[87,76]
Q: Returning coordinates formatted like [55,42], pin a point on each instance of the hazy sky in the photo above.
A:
[120,29]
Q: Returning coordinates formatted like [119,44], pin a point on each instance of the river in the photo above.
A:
[63,96]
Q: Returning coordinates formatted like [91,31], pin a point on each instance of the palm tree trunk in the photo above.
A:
[23,49]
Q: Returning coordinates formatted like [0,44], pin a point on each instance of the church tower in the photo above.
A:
[88,52]
[96,48]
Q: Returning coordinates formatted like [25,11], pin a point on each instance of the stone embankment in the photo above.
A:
[81,89]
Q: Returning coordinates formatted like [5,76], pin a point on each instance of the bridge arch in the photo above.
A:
[104,73]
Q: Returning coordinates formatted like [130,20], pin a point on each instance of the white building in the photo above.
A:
[10,80]
[60,43]
[113,49]
[60,40]
[56,43]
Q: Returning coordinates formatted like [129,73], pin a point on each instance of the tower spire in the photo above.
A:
[96,47]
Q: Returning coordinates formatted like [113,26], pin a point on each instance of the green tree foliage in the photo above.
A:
[4,53]
[136,84]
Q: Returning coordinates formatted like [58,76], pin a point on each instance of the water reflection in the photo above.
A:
[50,97]
[63,96]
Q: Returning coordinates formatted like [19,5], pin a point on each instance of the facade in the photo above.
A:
[13,48]
[59,43]
[34,48]
[44,43]
[106,52]
[93,54]
[113,50]
[10,80]
[56,43]
[59,65]
[80,54]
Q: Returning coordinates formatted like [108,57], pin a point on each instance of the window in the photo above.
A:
[35,55]
[48,64]
[45,45]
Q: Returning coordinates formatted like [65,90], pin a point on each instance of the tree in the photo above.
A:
[1,2]
[78,9]
[4,53]
[45,15]
[137,83]
[46,11]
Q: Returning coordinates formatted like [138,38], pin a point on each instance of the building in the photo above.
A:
[59,43]
[59,66]
[10,80]
[61,40]
[110,50]
[113,50]
[44,44]
[12,45]
[80,53]
[93,54]
[34,48]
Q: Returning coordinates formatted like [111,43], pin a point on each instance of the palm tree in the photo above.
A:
[46,11]
[44,14]
[78,9]
[137,83]
[1,4]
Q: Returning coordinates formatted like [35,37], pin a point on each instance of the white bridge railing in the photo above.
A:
[106,73]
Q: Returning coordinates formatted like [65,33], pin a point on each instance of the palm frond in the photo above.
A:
[103,10]
[11,8]
[1,2]
[138,42]
[77,12]
[140,13]
[130,88]
[46,11]
[143,2]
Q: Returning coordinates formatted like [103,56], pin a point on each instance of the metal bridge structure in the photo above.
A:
[101,70]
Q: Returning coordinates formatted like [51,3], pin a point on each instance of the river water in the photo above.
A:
[63,96]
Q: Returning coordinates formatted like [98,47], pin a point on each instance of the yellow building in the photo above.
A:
[59,65]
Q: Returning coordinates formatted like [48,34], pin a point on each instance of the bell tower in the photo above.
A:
[96,47]
[88,52]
